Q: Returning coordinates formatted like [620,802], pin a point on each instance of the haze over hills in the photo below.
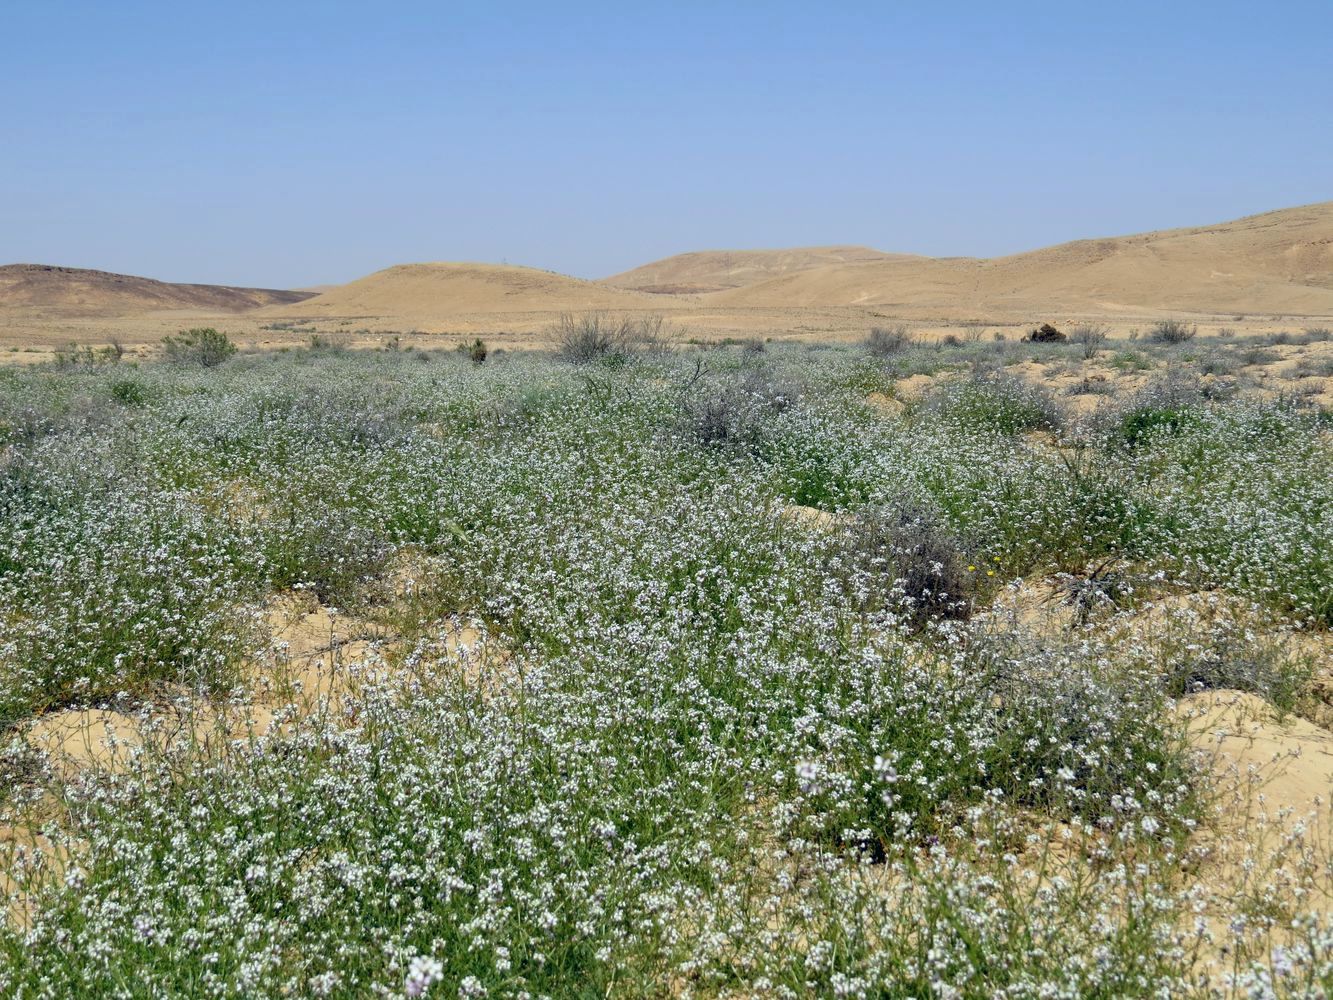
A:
[716,270]
[48,290]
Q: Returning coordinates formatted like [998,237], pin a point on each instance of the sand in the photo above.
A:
[716,270]
[1255,275]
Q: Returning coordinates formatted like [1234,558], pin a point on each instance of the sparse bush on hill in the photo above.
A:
[199,345]
[1164,406]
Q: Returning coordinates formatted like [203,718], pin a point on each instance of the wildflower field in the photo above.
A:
[737,671]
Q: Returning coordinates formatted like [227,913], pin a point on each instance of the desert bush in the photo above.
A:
[129,391]
[476,351]
[596,336]
[1217,362]
[903,557]
[74,355]
[752,347]
[1172,331]
[1046,334]
[199,345]
[883,341]
[736,410]
[1259,356]
[1091,337]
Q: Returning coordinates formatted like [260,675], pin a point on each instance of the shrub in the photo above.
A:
[129,392]
[476,351]
[595,336]
[884,340]
[752,347]
[1090,336]
[736,411]
[1173,331]
[904,558]
[1046,334]
[1259,356]
[199,345]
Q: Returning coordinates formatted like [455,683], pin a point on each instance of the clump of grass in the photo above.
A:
[1132,361]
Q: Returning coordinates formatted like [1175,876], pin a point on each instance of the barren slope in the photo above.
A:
[435,290]
[715,270]
[1279,263]
[43,289]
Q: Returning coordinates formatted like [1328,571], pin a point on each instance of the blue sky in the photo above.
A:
[301,143]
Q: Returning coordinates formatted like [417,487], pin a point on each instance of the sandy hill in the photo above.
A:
[43,289]
[428,291]
[1276,263]
[716,270]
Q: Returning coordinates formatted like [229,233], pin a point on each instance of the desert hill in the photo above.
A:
[441,289]
[716,270]
[44,289]
[1276,263]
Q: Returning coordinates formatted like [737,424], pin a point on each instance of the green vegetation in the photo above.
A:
[732,746]
[199,345]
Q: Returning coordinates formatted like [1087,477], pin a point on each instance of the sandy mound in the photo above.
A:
[1278,263]
[71,291]
[432,291]
[715,270]
[1269,770]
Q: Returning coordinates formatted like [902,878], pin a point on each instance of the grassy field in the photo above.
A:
[746,670]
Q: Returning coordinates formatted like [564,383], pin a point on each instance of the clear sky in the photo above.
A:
[290,143]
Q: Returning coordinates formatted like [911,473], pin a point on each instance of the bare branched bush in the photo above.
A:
[1091,337]
[597,336]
